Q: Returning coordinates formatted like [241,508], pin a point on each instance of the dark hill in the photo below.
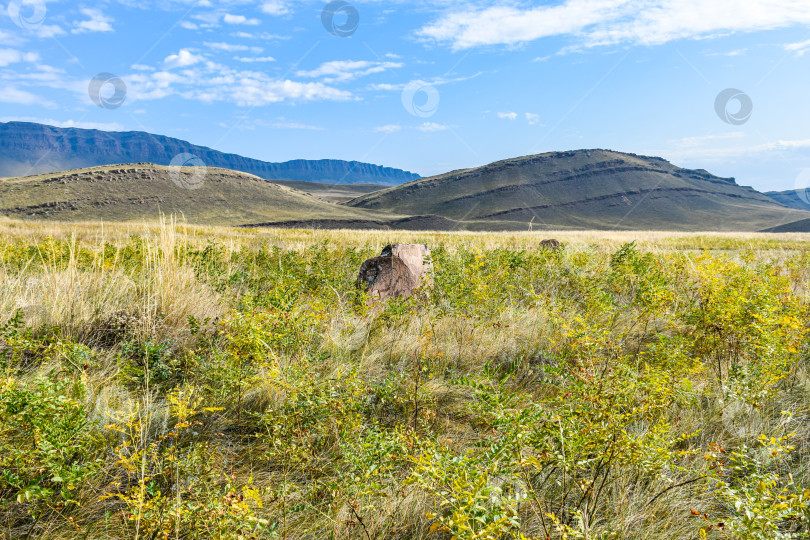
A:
[800,226]
[585,189]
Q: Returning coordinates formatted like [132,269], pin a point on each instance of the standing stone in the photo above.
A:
[416,256]
[550,243]
[396,272]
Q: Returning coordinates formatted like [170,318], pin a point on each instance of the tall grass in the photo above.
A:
[54,289]
[163,381]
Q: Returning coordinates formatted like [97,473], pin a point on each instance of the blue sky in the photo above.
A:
[428,86]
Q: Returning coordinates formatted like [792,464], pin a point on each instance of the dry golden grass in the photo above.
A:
[96,232]
[62,295]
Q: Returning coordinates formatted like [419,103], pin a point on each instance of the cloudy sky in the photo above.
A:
[427,86]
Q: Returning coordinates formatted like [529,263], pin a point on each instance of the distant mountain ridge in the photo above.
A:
[793,198]
[28,148]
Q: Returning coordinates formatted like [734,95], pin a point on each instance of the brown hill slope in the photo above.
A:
[585,189]
[142,191]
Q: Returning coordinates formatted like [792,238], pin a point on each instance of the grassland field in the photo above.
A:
[159,380]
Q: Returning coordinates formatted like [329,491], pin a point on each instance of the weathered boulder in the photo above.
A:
[416,256]
[550,243]
[396,272]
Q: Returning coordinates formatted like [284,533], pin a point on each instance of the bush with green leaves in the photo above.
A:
[49,449]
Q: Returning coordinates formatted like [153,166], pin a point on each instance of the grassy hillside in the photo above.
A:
[586,189]
[198,382]
[143,191]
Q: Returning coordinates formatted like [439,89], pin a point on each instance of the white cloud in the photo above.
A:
[433,82]
[208,19]
[188,25]
[429,127]
[240,19]
[387,87]
[275,7]
[12,56]
[390,128]
[184,58]
[296,125]
[45,75]
[738,52]
[794,144]
[281,122]
[703,147]
[109,126]
[253,59]
[9,39]
[231,47]
[605,22]
[96,22]
[10,94]
[532,118]
[799,48]
[259,91]
[701,140]
[48,31]
[211,82]
[347,70]
[261,35]
[155,85]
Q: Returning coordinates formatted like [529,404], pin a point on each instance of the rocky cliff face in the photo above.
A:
[28,148]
